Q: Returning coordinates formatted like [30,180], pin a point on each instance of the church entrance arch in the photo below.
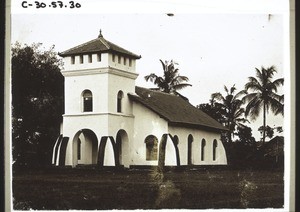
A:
[85,147]
[122,149]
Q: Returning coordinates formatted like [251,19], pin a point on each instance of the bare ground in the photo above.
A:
[59,189]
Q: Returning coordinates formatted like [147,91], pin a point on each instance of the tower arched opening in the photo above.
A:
[85,147]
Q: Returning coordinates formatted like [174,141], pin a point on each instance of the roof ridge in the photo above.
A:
[157,91]
[104,42]
[120,48]
[76,47]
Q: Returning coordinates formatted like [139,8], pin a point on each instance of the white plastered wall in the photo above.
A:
[119,83]
[75,85]
[74,123]
[146,122]
[198,135]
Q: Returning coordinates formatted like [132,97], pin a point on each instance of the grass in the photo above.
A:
[62,189]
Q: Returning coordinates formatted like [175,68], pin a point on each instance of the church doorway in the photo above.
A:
[85,147]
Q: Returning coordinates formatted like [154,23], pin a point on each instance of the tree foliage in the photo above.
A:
[263,95]
[37,102]
[231,108]
[213,110]
[269,131]
[171,81]
[260,94]
[245,134]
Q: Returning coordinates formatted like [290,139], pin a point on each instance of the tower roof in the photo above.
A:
[98,45]
[176,110]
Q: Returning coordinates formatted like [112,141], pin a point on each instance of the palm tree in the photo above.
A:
[171,81]
[263,95]
[231,108]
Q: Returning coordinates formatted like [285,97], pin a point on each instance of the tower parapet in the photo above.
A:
[98,54]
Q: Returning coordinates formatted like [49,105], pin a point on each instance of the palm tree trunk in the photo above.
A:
[229,137]
[264,123]
[229,132]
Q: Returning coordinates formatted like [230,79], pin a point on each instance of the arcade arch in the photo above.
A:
[85,147]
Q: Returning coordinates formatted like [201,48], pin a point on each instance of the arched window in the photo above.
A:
[87,97]
[190,142]
[151,147]
[215,144]
[119,101]
[203,143]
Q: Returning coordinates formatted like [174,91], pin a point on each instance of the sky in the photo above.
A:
[211,49]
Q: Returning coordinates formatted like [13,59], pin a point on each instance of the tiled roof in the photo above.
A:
[174,109]
[98,45]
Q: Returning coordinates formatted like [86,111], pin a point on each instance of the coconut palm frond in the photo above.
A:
[218,96]
[182,78]
[278,82]
[259,73]
[171,80]
[253,108]
[281,99]
[163,65]
[250,96]
[253,85]
[276,106]
[151,77]
[181,86]
[226,89]
[276,97]
[240,94]
[232,89]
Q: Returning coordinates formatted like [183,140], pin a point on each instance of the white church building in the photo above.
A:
[109,121]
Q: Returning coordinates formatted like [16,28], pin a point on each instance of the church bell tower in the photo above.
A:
[98,76]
